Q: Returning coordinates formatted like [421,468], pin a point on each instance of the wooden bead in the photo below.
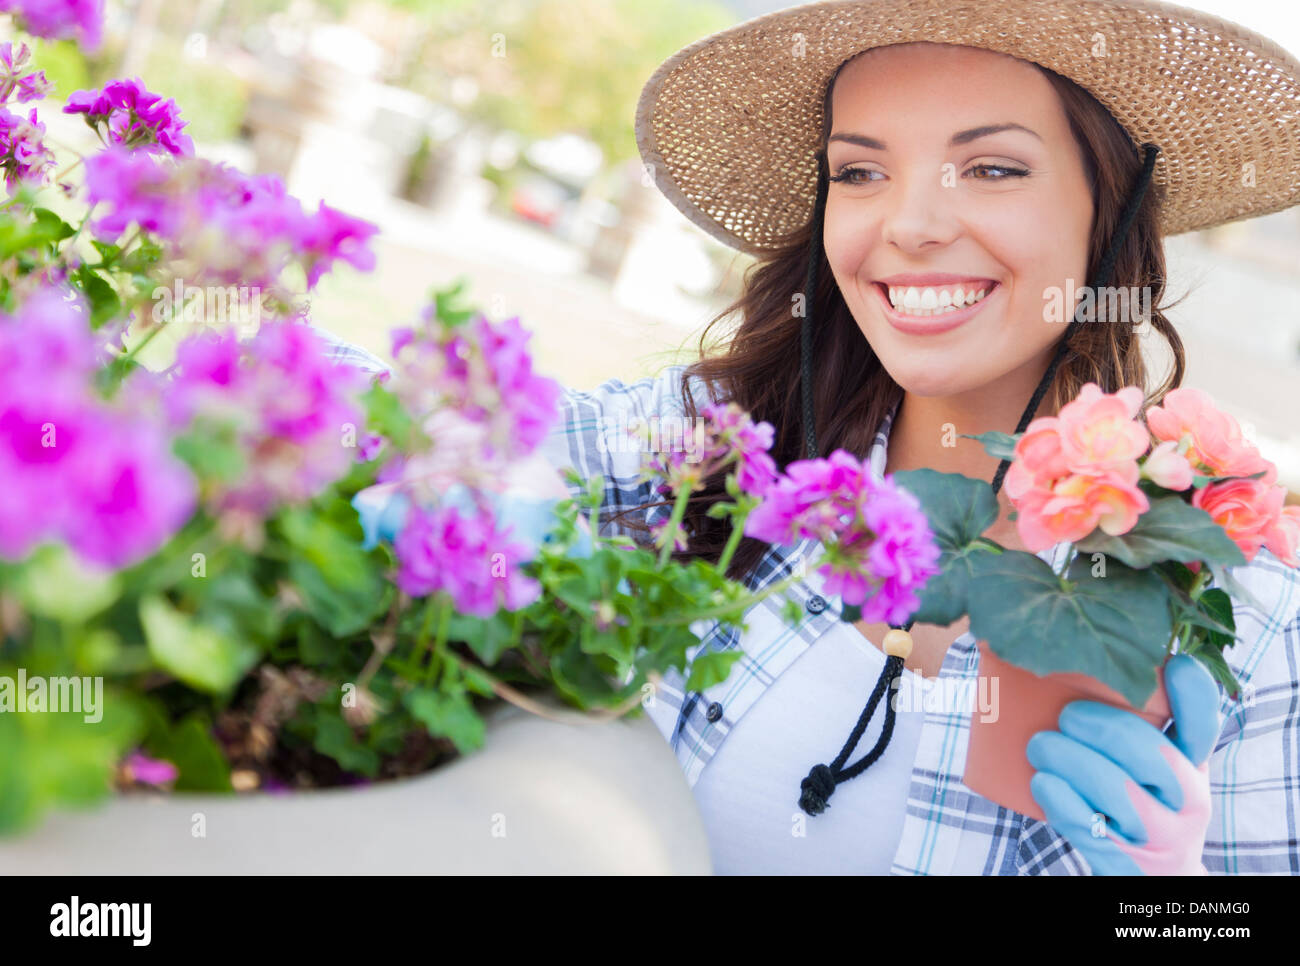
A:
[898,642]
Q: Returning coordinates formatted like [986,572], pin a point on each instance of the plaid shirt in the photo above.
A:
[948,829]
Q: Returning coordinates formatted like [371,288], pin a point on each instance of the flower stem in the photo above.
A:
[692,616]
[674,525]
[733,541]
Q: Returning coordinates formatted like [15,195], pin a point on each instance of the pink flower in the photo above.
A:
[1166,467]
[99,477]
[1283,537]
[1078,471]
[1099,431]
[133,117]
[879,547]
[1074,506]
[330,235]
[150,771]
[23,154]
[81,20]
[295,413]
[465,556]
[28,87]
[1215,442]
[1249,511]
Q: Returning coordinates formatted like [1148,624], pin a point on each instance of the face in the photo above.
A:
[936,210]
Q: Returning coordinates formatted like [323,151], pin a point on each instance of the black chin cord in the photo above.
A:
[817,788]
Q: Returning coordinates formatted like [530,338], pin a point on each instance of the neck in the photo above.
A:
[925,433]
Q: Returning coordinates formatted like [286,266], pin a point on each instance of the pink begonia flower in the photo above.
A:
[80,20]
[1077,471]
[1215,441]
[1283,537]
[1100,433]
[133,117]
[1166,467]
[1248,510]
[31,86]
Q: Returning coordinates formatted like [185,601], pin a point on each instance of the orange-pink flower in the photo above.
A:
[1283,537]
[1078,471]
[1248,510]
[1215,444]
[1166,467]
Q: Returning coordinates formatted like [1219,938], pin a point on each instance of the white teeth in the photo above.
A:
[931,301]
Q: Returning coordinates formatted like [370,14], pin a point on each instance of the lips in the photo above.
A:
[931,324]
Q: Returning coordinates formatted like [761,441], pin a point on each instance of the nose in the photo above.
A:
[918,212]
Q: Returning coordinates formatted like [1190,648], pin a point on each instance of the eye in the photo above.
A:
[847,172]
[1009,171]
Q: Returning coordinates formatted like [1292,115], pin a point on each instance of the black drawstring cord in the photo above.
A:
[817,788]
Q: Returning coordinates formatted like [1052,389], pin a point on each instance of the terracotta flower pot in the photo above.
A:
[996,765]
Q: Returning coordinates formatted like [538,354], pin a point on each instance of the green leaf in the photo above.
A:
[51,227]
[103,298]
[54,583]
[1113,628]
[333,737]
[959,510]
[712,667]
[200,656]
[998,445]
[1169,530]
[447,715]
[342,588]
[201,766]
[1217,665]
[1223,577]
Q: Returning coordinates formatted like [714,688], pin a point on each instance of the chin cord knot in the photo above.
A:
[816,789]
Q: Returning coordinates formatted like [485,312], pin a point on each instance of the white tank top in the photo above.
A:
[748,795]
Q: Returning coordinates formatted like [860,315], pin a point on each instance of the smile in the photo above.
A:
[929,310]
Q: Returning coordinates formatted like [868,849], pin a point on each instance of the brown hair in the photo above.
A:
[758,367]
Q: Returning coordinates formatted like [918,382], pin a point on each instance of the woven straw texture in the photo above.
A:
[729,126]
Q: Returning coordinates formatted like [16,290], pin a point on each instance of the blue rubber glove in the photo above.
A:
[1125,796]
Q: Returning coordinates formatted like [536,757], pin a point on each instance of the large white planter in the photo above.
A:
[540,797]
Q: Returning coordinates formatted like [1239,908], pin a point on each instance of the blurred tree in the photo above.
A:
[542,67]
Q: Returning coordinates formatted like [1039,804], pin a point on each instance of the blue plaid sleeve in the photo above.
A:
[593,437]
[1255,768]
[346,353]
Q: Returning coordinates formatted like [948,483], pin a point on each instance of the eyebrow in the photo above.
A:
[961,137]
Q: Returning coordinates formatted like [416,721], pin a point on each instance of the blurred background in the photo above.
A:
[494,140]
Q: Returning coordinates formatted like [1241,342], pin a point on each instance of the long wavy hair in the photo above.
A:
[758,369]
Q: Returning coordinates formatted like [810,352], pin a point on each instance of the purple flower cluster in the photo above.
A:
[13,80]
[879,547]
[81,20]
[727,436]
[23,154]
[97,477]
[236,228]
[483,372]
[295,412]
[127,114]
[467,557]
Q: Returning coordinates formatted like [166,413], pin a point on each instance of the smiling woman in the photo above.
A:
[924,184]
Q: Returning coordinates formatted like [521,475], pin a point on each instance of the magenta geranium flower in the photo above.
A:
[295,413]
[98,477]
[15,81]
[465,556]
[125,113]
[879,547]
[80,20]
[23,154]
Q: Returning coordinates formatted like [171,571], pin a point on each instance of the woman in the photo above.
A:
[917,185]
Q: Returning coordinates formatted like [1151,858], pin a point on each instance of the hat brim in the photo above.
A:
[729,126]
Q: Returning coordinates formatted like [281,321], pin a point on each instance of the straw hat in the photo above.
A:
[729,125]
